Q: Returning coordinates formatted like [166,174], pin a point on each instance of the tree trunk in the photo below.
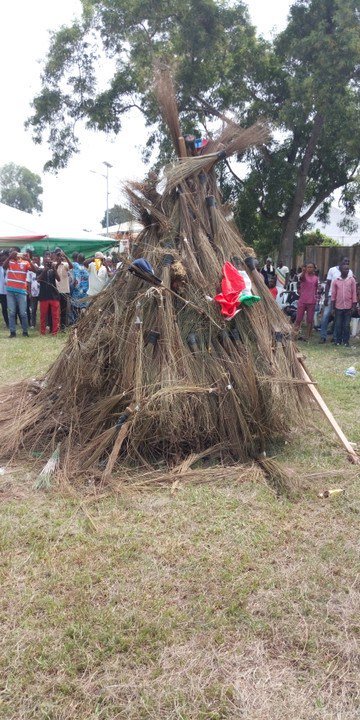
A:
[291,220]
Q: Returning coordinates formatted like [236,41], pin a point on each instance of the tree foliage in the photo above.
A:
[199,38]
[117,215]
[20,188]
[314,100]
[306,83]
[314,237]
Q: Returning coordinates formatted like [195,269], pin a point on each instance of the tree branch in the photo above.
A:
[293,148]
[213,111]
[326,194]
[234,173]
[267,155]
[317,202]
[264,212]
[133,105]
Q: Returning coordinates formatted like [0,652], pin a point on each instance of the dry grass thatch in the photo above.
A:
[152,373]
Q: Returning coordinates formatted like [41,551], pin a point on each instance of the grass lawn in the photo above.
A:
[212,603]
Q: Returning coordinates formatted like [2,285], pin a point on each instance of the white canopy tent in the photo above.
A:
[22,229]
[131,227]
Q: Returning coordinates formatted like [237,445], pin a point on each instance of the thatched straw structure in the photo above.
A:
[153,372]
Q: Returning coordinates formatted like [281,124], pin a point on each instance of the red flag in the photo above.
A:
[232,286]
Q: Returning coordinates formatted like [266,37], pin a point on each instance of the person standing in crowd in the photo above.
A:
[333,274]
[63,286]
[49,295]
[17,265]
[268,271]
[3,300]
[28,296]
[33,291]
[79,286]
[343,299]
[113,264]
[81,277]
[282,274]
[272,287]
[355,315]
[292,281]
[308,289]
[99,274]
[74,256]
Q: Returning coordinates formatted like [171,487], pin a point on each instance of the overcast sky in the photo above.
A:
[76,197]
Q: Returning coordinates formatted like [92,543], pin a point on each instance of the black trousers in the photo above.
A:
[3,303]
[34,305]
[64,310]
[342,326]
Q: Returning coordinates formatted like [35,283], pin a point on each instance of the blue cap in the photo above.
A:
[144,265]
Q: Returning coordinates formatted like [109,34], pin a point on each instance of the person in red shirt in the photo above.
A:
[308,288]
[343,299]
[272,287]
[17,266]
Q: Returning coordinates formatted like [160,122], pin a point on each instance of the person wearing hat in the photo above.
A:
[268,271]
[64,264]
[99,274]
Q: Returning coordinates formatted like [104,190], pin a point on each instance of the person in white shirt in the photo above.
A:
[34,289]
[63,285]
[282,274]
[333,274]
[98,275]
[268,271]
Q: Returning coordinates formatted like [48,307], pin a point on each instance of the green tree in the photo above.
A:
[314,237]
[117,215]
[202,40]
[312,96]
[20,188]
[306,83]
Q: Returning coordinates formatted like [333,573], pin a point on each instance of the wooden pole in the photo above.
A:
[116,449]
[353,457]
[122,434]
[182,147]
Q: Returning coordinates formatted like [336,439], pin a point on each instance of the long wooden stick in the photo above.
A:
[123,431]
[116,449]
[182,147]
[353,457]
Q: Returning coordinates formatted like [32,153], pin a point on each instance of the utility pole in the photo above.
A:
[107,191]
[107,195]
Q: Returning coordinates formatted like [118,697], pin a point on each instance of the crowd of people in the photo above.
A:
[330,304]
[61,288]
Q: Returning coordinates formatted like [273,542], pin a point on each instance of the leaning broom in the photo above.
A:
[184,355]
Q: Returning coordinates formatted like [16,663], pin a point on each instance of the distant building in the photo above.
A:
[124,233]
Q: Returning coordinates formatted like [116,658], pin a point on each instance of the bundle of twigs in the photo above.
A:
[241,140]
[46,475]
[165,95]
[153,374]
